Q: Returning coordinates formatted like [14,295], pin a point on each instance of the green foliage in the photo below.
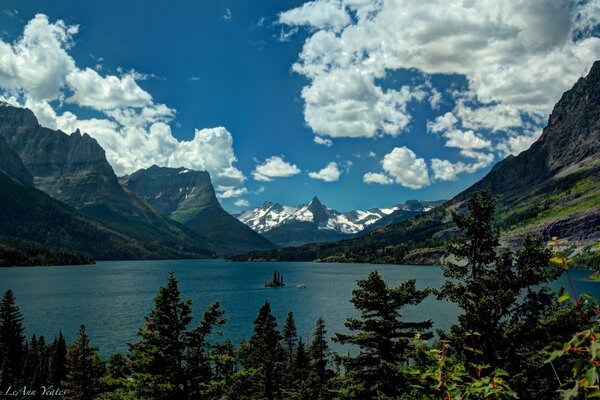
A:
[265,353]
[382,336]
[12,341]
[84,369]
[583,353]
[158,357]
[443,377]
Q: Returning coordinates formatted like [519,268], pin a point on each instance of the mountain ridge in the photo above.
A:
[188,197]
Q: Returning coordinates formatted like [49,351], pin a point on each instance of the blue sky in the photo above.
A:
[387,92]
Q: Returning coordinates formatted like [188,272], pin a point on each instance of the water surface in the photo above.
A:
[112,298]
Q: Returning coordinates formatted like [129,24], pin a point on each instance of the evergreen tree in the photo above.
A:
[507,313]
[319,359]
[383,339]
[157,359]
[223,358]
[12,341]
[290,337]
[84,369]
[197,354]
[265,353]
[58,361]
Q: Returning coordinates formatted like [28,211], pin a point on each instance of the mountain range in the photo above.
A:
[61,196]
[552,189]
[315,222]
[62,203]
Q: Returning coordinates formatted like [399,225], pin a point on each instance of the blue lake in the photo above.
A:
[112,298]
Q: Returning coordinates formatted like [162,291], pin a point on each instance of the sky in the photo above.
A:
[363,103]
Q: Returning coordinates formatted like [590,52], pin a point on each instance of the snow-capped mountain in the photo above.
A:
[314,222]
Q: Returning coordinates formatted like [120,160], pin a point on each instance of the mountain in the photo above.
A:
[551,189]
[39,230]
[188,197]
[73,169]
[314,222]
[11,164]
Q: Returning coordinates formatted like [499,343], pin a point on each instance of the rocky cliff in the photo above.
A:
[188,197]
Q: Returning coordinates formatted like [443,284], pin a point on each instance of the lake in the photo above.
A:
[112,298]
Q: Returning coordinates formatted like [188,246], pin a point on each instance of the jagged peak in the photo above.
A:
[19,114]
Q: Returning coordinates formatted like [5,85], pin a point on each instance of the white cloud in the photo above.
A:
[445,170]
[376,177]
[37,71]
[326,14]
[105,93]
[241,203]
[228,192]
[465,140]
[347,103]
[38,62]
[322,141]
[403,167]
[274,167]
[517,58]
[516,143]
[435,98]
[330,173]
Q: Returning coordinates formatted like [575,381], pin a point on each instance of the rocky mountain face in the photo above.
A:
[73,169]
[12,165]
[188,197]
[314,222]
[35,224]
[551,189]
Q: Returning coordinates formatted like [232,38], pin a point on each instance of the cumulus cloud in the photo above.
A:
[274,167]
[330,173]
[445,170]
[105,93]
[38,72]
[403,167]
[326,14]
[517,59]
[228,192]
[241,203]
[322,141]
[376,177]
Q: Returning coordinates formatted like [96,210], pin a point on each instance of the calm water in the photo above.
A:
[112,298]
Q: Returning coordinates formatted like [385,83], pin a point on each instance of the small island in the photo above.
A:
[277,280]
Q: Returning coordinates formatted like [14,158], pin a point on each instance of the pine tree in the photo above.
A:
[265,353]
[157,359]
[58,361]
[84,369]
[290,337]
[223,358]
[319,359]
[383,338]
[197,354]
[507,313]
[12,341]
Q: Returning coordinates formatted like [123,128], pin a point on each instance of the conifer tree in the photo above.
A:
[197,353]
[265,353]
[383,338]
[84,369]
[58,361]
[12,341]
[319,359]
[290,337]
[507,313]
[158,358]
